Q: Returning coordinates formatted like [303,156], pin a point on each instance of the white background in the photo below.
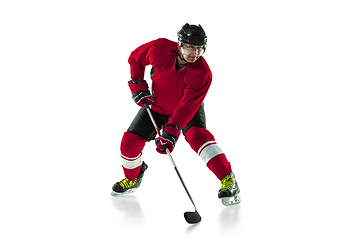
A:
[283,106]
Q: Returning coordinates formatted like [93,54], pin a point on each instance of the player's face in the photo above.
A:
[191,53]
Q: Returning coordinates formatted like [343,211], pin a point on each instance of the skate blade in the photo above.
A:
[228,201]
[115,194]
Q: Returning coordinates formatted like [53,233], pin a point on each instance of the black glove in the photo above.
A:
[140,92]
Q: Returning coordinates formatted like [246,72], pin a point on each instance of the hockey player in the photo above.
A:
[180,80]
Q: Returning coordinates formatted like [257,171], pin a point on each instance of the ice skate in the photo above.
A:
[126,186]
[229,191]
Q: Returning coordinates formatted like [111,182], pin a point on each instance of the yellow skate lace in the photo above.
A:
[226,183]
[125,183]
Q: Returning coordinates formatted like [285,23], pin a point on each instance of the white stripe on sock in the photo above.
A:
[131,163]
[209,150]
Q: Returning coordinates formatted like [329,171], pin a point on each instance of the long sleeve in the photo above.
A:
[139,59]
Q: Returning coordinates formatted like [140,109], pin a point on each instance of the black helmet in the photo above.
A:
[192,34]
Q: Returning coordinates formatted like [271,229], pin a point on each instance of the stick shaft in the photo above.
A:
[169,155]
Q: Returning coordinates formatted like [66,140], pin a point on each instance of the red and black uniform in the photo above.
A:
[177,99]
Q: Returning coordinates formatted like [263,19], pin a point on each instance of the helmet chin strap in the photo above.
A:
[177,53]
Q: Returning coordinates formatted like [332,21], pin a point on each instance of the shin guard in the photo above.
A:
[131,152]
[203,142]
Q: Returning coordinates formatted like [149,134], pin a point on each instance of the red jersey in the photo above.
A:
[178,93]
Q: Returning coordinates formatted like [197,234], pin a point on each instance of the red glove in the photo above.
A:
[168,138]
[140,92]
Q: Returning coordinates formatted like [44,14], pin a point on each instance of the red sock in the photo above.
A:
[131,151]
[203,142]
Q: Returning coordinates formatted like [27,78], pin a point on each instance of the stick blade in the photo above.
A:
[192,217]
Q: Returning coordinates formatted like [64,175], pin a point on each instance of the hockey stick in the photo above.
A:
[190,217]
